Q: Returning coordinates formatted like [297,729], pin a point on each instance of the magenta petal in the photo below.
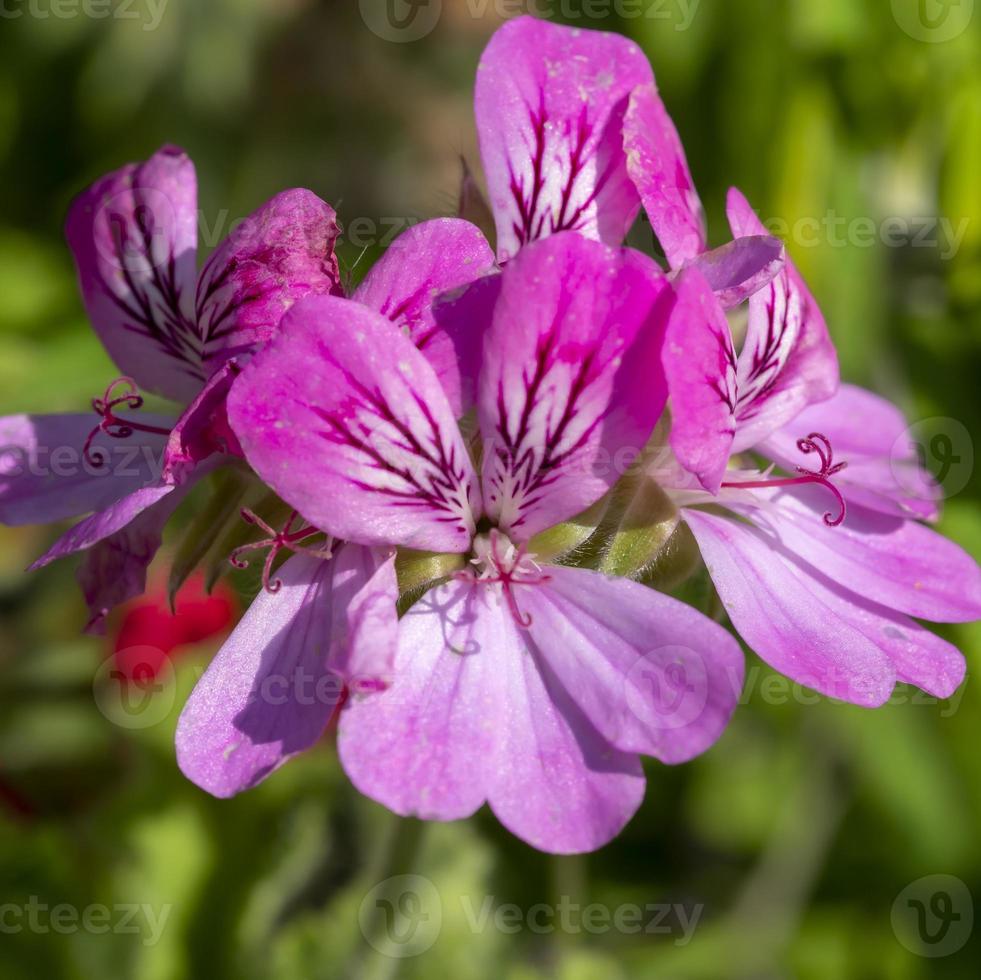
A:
[889,560]
[560,785]
[134,237]
[871,435]
[550,102]
[741,267]
[431,258]
[113,570]
[279,254]
[469,718]
[813,630]
[347,421]
[272,688]
[46,477]
[203,429]
[103,524]
[658,168]
[787,360]
[571,384]
[652,674]
[700,365]
[428,746]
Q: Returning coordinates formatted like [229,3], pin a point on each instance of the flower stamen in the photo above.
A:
[288,537]
[505,565]
[815,442]
[110,423]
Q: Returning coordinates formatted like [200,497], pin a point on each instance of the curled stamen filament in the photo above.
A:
[110,423]
[289,538]
[815,442]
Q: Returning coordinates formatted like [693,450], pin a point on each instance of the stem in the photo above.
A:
[398,856]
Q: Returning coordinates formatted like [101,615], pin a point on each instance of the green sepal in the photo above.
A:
[419,571]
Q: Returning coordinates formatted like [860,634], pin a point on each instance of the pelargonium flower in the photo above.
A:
[326,624]
[172,332]
[574,136]
[825,594]
[532,687]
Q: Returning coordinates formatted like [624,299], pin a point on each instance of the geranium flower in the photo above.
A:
[326,624]
[530,686]
[171,331]
[824,594]
[574,136]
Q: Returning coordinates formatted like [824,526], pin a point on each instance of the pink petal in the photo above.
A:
[134,237]
[347,422]
[429,259]
[560,785]
[469,718]
[273,686]
[428,746]
[45,476]
[700,365]
[279,254]
[658,168]
[787,360]
[113,570]
[873,437]
[813,630]
[550,102]
[740,267]
[103,524]
[889,560]
[571,384]
[652,674]
[203,429]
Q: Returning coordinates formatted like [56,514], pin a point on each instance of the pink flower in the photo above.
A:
[822,571]
[171,331]
[531,687]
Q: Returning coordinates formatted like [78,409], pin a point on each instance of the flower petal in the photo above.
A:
[134,237]
[812,630]
[779,612]
[658,168]
[279,254]
[203,429]
[741,267]
[560,785]
[652,674]
[889,560]
[346,421]
[571,379]
[429,259]
[469,718]
[787,360]
[273,687]
[428,746]
[46,477]
[104,523]
[113,570]
[550,102]
[700,365]
[872,436]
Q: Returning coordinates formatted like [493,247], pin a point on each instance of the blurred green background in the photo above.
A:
[794,836]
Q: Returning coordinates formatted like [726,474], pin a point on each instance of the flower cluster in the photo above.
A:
[491,459]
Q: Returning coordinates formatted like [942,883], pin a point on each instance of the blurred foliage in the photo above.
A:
[799,829]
